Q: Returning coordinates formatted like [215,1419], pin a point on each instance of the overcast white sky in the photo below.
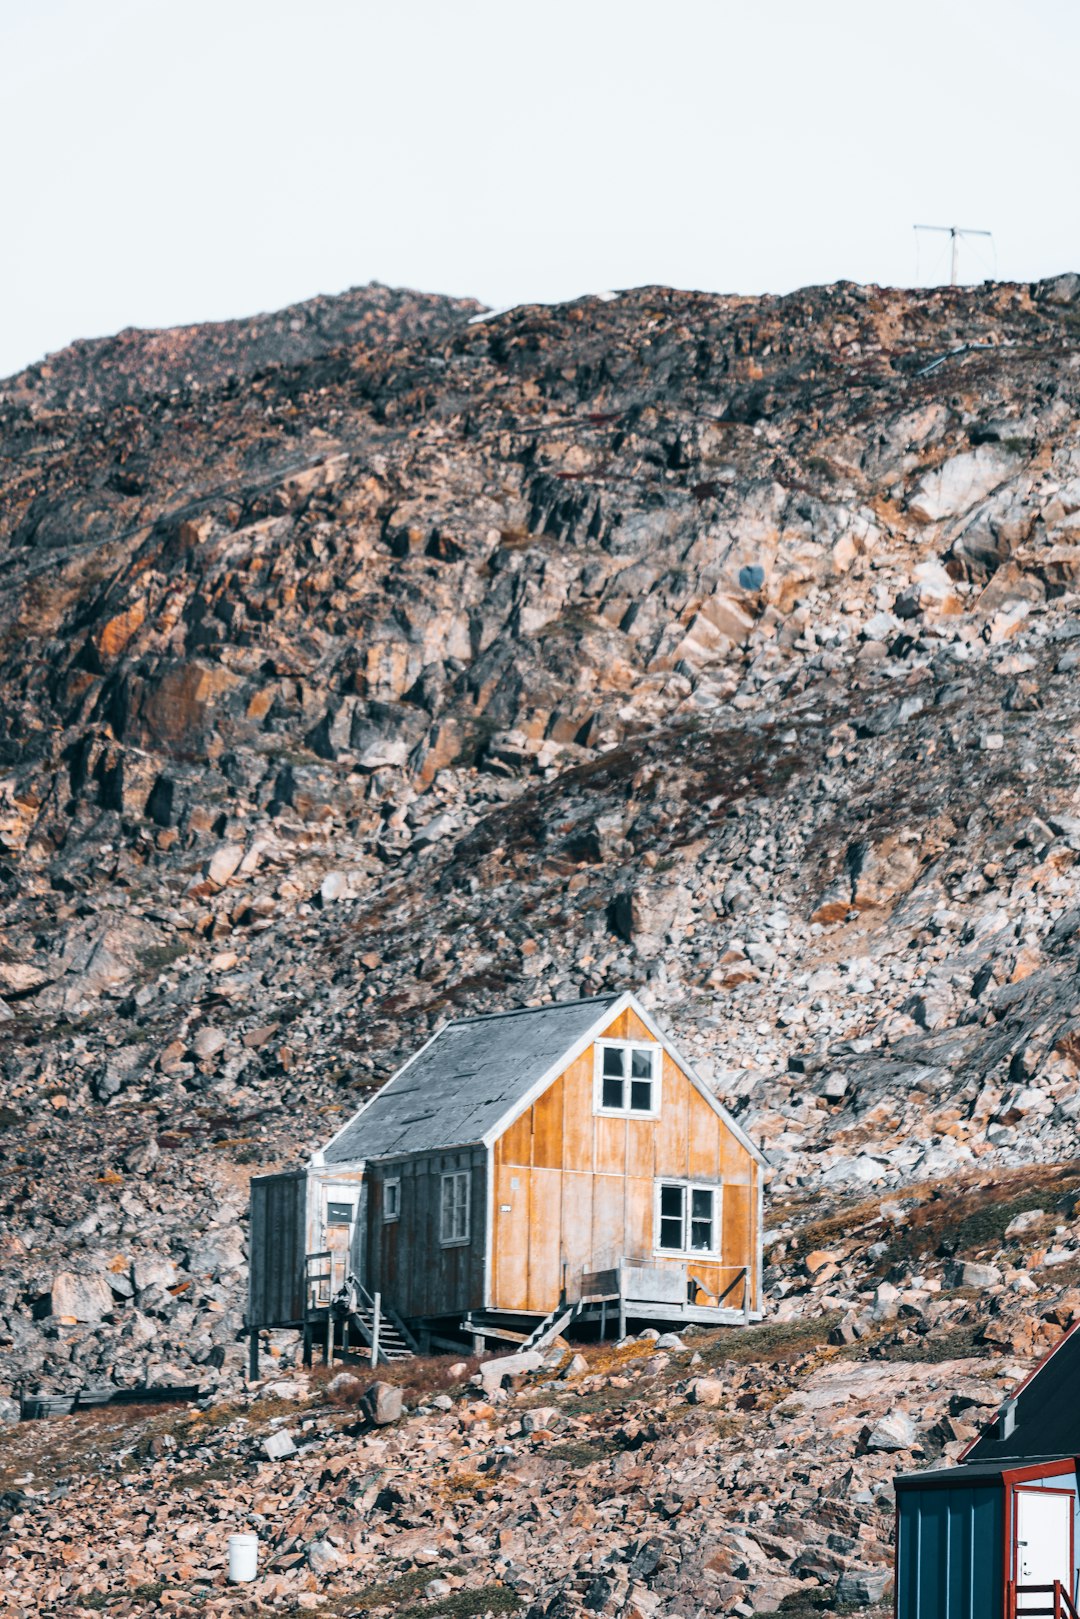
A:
[168,161]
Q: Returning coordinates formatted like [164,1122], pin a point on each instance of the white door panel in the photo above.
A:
[1043,1543]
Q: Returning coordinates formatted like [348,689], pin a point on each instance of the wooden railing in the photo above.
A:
[1058,1603]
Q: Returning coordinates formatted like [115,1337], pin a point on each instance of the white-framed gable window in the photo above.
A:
[454,1208]
[391,1208]
[687,1219]
[627,1079]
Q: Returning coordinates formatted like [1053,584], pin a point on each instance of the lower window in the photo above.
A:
[685,1218]
[454,1208]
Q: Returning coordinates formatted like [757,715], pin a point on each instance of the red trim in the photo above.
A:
[1022,1475]
[1021,1386]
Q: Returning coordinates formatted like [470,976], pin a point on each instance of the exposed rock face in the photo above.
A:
[708,645]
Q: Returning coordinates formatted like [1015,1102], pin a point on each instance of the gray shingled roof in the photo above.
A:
[464,1081]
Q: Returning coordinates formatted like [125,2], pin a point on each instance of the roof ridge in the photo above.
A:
[546,1006]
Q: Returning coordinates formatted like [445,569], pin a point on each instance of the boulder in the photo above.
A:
[224,862]
[706,1391]
[80,1298]
[894,1431]
[859,1588]
[383,1403]
[541,1417]
[960,483]
[966,1273]
[493,1373]
[277,1446]
[215,1253]
[322,1557]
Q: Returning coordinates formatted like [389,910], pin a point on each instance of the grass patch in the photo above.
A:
[401,1595]
[215,1474]
[467,1604]
[781,1341]
[972,1219]
[158,957]
[960,1343]
[813,1604]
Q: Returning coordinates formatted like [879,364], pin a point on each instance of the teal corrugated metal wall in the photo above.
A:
[950,1558]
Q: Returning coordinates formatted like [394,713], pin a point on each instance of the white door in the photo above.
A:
[1043,1543]
[338,1220]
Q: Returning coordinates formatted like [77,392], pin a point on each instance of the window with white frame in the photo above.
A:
[627,1079]
[454,1215]
[391,1207]
[686,1218]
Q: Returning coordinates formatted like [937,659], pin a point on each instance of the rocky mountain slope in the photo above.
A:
[101,373]
[724,647]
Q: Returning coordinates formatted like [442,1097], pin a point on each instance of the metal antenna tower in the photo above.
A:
[955,231]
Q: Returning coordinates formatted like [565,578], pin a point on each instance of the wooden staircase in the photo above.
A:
[556,1321]
[380,1327]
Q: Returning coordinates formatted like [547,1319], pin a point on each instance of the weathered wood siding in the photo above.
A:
[277,1240]
[574,1192]
[406,1260]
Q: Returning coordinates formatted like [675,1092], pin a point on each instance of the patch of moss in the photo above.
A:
[772,1341]
[467,1604]
[958,1344]
[392,1593]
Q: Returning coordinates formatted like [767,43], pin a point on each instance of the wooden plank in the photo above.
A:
[640,1146]
[610,1150]
[277,1246]
[670,1138]
[638,1234]
[710,1275]
[510,1248]
[545,1240]
[515,1145]
[702,1140]
[547,1136]
[616,1029]
[576,1220]
[735,1162]
[608,1235]
[659,1284]
[635,1029]
[737,1230]
[578,1113]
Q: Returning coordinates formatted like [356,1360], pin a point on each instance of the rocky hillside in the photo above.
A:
[721,647]
[100,373]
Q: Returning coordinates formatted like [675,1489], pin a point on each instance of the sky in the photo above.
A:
[169,161]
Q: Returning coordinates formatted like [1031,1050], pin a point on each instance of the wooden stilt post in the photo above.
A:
[253,1354]
[329,1356]
[746,1296]
[376,1311]
[622,1303]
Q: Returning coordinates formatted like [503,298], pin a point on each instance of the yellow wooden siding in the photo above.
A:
[585,1193]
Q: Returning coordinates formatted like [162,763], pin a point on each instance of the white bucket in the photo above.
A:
[243,1557]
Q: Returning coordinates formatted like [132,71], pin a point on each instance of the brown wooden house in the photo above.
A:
[521,1169]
